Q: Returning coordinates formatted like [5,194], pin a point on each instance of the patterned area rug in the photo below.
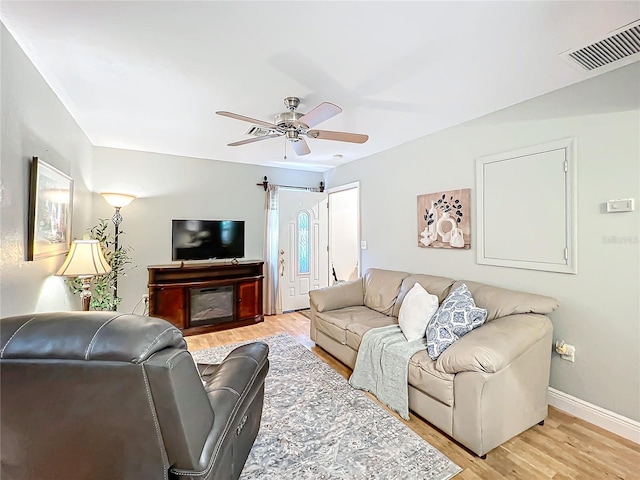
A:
[315,426]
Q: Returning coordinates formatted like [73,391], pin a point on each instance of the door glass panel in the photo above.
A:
[303,242]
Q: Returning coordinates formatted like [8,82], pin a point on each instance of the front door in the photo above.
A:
[302,246]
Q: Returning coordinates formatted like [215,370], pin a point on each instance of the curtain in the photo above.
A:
[272,301]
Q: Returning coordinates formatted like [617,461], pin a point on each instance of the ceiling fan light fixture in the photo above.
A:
[295,126]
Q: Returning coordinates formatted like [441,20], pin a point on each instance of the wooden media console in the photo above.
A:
[205,297]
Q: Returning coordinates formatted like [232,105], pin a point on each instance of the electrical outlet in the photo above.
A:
[571,353]
[145,299]
[566,351]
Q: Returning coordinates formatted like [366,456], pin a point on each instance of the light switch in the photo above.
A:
[621,205]
[363,245]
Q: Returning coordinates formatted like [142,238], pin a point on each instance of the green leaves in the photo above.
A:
[102,287]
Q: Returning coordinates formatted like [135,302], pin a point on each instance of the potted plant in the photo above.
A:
[102,287]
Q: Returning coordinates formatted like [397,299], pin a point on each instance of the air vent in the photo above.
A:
[258,131]
[620,47]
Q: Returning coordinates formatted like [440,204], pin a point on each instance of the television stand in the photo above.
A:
[206,297]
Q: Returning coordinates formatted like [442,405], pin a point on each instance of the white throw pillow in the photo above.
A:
[416,310]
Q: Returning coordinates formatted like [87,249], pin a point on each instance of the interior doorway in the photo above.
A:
[344,232]
[302,246]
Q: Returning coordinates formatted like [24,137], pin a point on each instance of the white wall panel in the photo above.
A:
[526,208]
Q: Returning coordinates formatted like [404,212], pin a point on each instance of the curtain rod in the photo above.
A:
[265,185]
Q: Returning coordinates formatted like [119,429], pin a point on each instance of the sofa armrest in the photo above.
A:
[494,345]
[348,294]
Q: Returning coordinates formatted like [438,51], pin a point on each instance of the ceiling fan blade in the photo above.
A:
[251,140]
[322,112]
[300,147]
[248,119]
[338,136]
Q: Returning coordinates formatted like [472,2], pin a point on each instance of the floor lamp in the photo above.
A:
[84,260]
[117,200]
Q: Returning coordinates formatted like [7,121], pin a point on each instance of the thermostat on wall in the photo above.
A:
[621,205]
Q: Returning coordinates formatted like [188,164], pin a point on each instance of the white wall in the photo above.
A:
[171,187]
[599,307]
[34,123]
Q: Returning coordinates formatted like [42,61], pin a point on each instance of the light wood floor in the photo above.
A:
[564,448]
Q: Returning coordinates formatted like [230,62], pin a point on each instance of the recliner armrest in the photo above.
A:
[341,295]
[240,368]
[231,388]
[494,345]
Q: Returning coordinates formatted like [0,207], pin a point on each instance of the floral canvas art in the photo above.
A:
[443,219]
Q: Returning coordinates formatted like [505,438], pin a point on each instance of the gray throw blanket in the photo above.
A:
[382,366]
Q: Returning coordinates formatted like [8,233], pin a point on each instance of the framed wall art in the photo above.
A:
[444,220]
[50,211]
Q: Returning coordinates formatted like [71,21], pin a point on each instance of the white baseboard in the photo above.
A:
[623,426]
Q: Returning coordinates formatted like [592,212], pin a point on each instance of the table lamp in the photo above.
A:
[84,260]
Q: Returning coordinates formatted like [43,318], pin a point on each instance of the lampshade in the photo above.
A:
[118,200]
[85,259]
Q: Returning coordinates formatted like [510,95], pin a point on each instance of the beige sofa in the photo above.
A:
[487,387]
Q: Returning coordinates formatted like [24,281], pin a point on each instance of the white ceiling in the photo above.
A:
[150,75]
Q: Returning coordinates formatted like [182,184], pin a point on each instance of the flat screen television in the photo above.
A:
[207,239]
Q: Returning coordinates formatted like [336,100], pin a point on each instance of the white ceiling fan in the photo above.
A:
[294,126]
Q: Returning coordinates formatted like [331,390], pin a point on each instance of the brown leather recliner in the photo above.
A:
[102,395]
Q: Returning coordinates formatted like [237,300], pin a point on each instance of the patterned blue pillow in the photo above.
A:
[456,317]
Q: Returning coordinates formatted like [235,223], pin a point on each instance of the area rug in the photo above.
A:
[315,426]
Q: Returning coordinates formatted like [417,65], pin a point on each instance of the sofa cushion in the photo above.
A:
[356,331]
[347,294]
[456,316]
[417,309]
[494,345]
[424,376]
[439,286]
[501,302]
[334,322]
[381,289]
